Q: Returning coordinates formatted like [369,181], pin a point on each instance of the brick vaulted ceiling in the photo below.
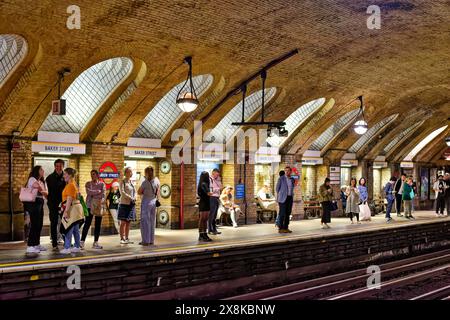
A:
[402,68]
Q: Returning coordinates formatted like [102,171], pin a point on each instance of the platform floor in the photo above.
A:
[13,257]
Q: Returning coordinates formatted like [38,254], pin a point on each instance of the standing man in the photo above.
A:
[390,197]
[285,199]
[398,188]
[215,187]
[55,184]
[439,188]
[447,192]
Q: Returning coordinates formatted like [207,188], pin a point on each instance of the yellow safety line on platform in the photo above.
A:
[87,258]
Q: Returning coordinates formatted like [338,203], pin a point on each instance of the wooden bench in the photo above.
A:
[312,208]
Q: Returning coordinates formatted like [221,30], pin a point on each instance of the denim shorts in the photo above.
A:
[126,212]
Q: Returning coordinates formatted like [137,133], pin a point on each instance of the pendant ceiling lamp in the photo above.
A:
[187,98]
[360,125]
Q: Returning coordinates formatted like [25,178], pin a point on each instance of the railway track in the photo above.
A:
[424,277]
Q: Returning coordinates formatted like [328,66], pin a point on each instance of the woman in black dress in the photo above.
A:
[203,206]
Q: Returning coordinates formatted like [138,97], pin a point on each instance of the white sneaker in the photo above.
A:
[235,226]
[33,250]
[122,241]
[96,246]
[128,241]
[41,248]
[75,250]
[437,215]
[65,251]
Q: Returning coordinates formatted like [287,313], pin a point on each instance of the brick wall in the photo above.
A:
[21,169]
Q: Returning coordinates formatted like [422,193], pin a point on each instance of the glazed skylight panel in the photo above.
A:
[87,93]
[13,49]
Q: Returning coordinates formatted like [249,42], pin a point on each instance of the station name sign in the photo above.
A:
[58,148]
[349,163]
[311,161]
[406,165]
[144,152]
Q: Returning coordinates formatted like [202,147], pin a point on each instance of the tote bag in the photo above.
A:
[96,207]
[364,212]
[76,213]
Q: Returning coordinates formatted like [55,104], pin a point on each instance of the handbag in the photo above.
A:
[27,195]
[97,207]
[334,206]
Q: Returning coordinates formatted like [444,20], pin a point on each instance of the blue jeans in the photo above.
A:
[389,208]
[75,230]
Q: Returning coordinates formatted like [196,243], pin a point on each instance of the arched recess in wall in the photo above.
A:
[224,130]
[295,120]
[18,61]
[161,119]
[371,133]
[88,93]
[430,137]
[323,142]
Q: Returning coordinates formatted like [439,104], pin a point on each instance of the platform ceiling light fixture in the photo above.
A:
[187,100]
[360,125]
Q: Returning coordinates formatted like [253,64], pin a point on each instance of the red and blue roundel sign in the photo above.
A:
[109,174]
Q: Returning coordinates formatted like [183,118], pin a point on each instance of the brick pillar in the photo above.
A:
[95,156]
[22,164]
[246,174]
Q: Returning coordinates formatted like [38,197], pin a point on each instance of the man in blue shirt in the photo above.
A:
[285,198]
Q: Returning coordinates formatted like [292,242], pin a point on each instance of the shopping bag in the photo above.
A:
[83,204]
[364,212]
[76,214]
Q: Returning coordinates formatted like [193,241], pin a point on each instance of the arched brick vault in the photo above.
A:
[436,145]
[339,57]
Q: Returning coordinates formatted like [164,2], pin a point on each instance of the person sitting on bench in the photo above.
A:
[227,205]
[266,199]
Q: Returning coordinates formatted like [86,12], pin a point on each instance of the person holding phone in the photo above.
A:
[204,193]
[127,205]
[37,185]
[353,200]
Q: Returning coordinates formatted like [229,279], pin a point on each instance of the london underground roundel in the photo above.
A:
[108,174]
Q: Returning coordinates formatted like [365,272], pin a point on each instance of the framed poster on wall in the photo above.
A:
[433,178]
[424,183]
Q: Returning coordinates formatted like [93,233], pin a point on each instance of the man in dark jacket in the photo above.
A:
[55,184]
[398,188]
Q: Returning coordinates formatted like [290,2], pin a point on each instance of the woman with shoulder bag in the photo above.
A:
[126,206]
[352,207]
[73,213]
[364,209]
[95,200]
[149,191]
[326,200]
[33,201]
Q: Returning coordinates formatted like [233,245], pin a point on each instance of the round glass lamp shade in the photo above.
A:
[360,127]
[187,102]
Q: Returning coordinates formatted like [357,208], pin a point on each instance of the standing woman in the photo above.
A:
[95,200]
[363,198]
[73,218]
[407,197]
[353,198]
[36,184]
[326,198]
[112,201]
[126,206]
[203,191]
[149,191]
